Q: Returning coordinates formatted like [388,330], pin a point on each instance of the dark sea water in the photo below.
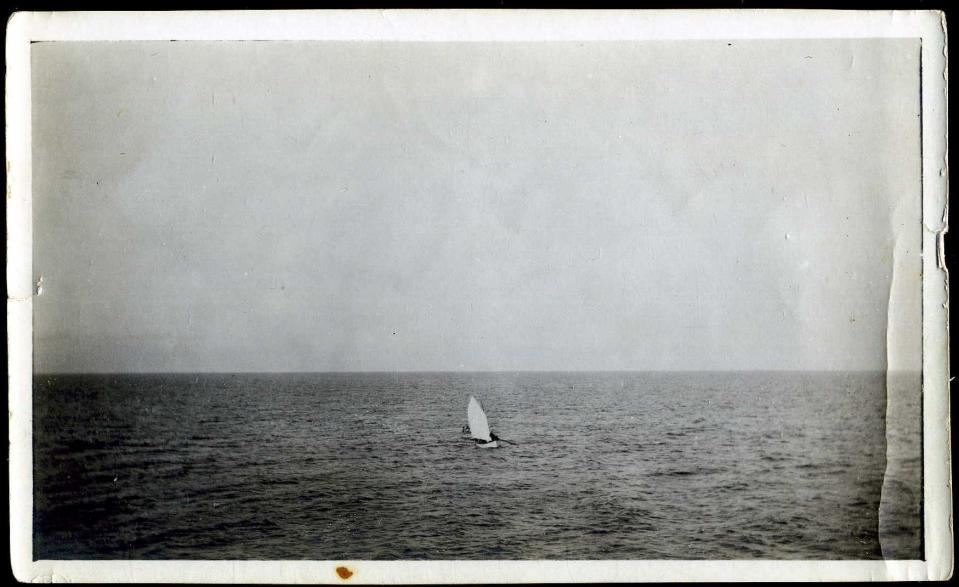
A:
[373,466]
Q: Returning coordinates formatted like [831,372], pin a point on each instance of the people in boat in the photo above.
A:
[492,438]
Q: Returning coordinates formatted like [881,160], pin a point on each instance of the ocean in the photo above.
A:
[373,466]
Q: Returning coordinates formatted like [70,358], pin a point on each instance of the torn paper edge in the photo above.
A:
[489,26]
[937,469]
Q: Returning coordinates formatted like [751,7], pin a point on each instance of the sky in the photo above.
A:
[365,206]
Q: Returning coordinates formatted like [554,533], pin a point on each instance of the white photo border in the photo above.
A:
[489,26]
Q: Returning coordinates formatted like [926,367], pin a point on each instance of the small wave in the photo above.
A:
[686,472]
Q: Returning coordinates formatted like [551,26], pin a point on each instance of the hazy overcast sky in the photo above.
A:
[266,206]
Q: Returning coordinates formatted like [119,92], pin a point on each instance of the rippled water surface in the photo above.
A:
[373,466]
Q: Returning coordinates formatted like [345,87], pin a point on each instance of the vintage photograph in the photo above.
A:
[386,300]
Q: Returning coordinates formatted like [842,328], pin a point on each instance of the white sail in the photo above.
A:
[479,427]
